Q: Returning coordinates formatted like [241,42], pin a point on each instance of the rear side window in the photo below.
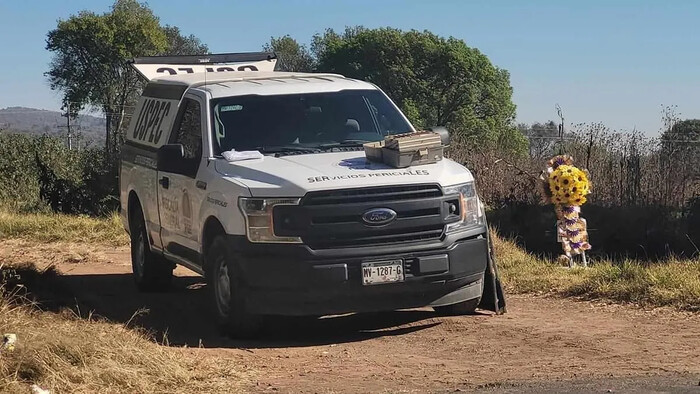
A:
[189,132]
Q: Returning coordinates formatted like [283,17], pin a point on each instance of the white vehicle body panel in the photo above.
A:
[150,127]
[181,202]
[295,175]
[293,84]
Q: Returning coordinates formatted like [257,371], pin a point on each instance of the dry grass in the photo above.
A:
[674,283]
[64,353]
[58,227]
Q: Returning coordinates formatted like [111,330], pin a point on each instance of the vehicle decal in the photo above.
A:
[186,212]
[324,178]
[170,212]
[154,120]
[139,155]
[216,201]
[151,71]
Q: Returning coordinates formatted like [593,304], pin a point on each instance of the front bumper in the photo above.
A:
[296,280]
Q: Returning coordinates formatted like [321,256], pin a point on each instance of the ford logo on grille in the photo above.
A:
[379,216]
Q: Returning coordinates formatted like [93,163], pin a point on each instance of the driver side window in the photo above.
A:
[189,134]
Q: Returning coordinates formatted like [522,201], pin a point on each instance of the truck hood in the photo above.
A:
[294,175]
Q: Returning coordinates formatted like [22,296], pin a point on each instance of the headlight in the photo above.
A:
[258,218]
[470,212]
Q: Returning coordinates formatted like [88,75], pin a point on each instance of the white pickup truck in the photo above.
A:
[258,180]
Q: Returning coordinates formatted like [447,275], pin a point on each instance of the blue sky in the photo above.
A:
[611,61]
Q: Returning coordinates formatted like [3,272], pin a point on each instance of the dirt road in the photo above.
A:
[542,344]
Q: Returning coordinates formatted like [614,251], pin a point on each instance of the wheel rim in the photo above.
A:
[223,288]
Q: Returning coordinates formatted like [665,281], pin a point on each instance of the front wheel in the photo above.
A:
[227,292]
[151,272]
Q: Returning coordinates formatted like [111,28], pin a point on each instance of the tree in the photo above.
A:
[440,81]
[684,132]
[320,42]
[680,149]
[91,54]
[542,138]
[435,81]
[291,56]
[178,44]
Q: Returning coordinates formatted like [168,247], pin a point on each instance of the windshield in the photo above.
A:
[304,121]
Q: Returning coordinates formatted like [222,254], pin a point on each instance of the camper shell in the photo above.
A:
[258,180]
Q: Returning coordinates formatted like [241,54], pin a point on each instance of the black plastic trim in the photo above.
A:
[164,91]
[184,252]
[241,244]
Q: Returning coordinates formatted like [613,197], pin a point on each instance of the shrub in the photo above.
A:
[40,174]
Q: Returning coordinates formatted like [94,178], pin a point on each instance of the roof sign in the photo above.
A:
[161,66]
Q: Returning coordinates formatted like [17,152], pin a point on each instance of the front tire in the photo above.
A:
[150,271]
[227,292]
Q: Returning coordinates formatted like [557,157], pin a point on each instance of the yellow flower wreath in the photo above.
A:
[569,185]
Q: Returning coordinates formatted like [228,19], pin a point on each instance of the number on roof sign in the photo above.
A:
[192,70]
[149,124]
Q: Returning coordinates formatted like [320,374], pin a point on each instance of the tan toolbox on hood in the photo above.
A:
[405,150]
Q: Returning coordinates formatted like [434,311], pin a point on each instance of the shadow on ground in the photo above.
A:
[181,315]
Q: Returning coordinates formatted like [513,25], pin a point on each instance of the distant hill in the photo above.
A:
[90,129]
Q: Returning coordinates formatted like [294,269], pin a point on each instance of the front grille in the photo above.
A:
[324,242]
[377,194]
[333,219]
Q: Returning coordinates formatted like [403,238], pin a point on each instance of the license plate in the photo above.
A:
[379,272]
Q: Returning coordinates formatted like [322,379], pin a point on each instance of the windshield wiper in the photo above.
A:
[287,149]
[343,144]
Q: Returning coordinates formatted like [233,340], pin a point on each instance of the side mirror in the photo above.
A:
[444,134]
[170,158]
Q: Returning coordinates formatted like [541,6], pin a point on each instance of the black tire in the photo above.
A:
[227,293]
[462,308]
[150,271]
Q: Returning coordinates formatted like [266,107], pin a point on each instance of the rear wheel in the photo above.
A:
[462,308]
[227,292]
[150,271]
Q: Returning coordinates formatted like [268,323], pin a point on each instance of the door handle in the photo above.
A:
[165,182]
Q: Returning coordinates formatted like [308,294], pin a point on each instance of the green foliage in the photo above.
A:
[41,174]
[442,80]
[19,182]
[291,55]
[179,44]
[91,54]
[681,145]
[435,80]
[684,130]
